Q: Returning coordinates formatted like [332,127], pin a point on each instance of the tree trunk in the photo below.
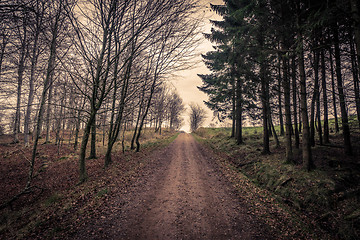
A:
[47,84]
[273,129]
[77,129]
[93,140]
[84,142]
[356,22]
[294,89]
[306,147]
[34,60]
[333,91]
[281,119]
[152,89]
[238,135]
[344,116]
[21,69]
[49,108]
[265,112]
[355,72]
[325,100]
[300,116]
[286,87]
[233,128]
[314,97]
[318,117]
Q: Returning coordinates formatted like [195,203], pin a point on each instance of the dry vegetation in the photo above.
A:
[57,201]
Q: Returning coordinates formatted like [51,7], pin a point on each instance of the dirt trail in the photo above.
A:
[180,195]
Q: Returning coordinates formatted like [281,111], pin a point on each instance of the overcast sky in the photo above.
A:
[186,81]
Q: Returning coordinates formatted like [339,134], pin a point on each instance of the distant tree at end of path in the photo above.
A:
[197,116]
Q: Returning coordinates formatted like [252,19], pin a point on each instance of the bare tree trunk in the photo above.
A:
[306,147]
[300,115]
[152,89]
[356,22]
[265,111]
[325,100]
[294,89]
[34,61]
[233,127]
[355,72]
[238,135]
[344,116]
[314,97]
[3,47]
[333,91]
[273,129]
[47,85]
[77,129]
[49,109]
[21,69]
[132,147]
[93,140]
[282,132]
[84,142]
[286,87]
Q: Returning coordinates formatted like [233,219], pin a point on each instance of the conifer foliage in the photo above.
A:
[285,58]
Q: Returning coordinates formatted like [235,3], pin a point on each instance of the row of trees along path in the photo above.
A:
[298,56]
[86,65]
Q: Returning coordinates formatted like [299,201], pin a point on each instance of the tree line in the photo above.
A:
[295,63]
[96,65]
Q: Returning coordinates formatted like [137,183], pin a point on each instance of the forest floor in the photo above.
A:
[181,191]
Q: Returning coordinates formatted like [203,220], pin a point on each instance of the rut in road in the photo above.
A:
[181,196]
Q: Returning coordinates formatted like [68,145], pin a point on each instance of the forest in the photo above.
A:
[71,66]
[286,74]
[90,138]
[289,63]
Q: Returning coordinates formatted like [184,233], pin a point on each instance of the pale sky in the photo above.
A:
[187,81]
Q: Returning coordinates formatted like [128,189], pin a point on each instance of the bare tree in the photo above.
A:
[176,108]
[197,116]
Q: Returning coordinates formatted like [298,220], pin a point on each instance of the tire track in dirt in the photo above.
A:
[180,195]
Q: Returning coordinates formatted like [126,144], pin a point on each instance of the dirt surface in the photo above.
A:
[180,195]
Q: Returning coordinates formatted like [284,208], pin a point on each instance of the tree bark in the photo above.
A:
[265,112]
[233,128]
[238,133]
[325,100]
[47,84]
[314,97]
[273,130]
[356,23]
[21,69]
[49,108]
[93,141]
[288,123]
[306,147]
[355,72]
[281,119]
[294,89]
[333,91]
[344,116]
[82,165]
